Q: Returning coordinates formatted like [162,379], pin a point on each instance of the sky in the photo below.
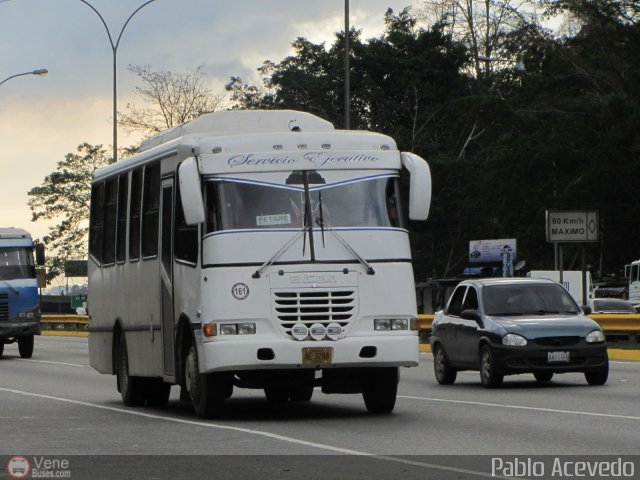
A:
[44,118]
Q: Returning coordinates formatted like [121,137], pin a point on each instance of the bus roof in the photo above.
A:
[12,232]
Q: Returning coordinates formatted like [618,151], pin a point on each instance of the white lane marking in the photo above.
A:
[521,407]
[275,436]
[53,363]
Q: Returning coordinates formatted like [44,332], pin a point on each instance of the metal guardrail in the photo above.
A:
[64,323]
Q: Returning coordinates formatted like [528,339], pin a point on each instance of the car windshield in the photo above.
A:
[233,204]
[527,299]
[612,305]
[16,263]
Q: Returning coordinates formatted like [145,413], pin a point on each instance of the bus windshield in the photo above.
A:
[233,204]
[16,263]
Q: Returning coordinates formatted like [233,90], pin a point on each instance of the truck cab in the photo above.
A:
[19,299]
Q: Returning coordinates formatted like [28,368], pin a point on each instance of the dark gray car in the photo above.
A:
[516,325]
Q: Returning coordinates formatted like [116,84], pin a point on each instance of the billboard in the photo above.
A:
[490,251]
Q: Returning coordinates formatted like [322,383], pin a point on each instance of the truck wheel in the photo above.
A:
[157,392]
[25,346]
[379,389]
[131,388]
[207,390]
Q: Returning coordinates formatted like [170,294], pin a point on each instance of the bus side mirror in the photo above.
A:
[191,192]
[39,249]
[419,186]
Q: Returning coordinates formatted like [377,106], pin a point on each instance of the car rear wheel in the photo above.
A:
[445,374]
[488,373]
[597,377]
[543,376]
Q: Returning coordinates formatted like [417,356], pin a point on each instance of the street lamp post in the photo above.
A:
[41,72]
[114,49]
[347,77]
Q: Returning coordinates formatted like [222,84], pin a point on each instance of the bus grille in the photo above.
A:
[309,307]
[4,306]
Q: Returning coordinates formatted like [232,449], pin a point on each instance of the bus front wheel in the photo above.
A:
[379,389]
[207,390]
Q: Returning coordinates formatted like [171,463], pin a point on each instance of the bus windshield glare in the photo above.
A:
[362,203]
[16,263]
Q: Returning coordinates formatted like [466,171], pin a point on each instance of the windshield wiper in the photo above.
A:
[279,253]
[543,312]
[367,265]
[13,289]
[506,314]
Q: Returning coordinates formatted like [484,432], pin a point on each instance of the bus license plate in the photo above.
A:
[317,355]
[555,357]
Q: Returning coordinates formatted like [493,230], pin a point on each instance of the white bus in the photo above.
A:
[255,249]
[633,272]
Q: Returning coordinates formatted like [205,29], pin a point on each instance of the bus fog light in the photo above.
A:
[229,329]
[334,331]
[318,331]
[246,328]
[382,324]
[399,324]
[300,331]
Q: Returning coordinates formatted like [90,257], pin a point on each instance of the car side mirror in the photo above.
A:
[470,315]
[586,309]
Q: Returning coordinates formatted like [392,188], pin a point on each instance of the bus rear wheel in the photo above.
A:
[25,346]
[131,388]
[207,390]
[379,389]
[157,392]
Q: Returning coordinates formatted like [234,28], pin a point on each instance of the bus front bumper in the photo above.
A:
[19,328]
[258,354]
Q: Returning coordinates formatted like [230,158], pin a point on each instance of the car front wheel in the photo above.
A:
[597,377]
[488,372]
[445,374]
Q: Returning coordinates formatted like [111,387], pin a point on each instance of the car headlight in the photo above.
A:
[513,340]
[596,336]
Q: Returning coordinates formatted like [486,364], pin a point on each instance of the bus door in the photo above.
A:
[166,277]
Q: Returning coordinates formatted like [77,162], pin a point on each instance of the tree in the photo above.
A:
[170,98]
[482,25]
[64,196]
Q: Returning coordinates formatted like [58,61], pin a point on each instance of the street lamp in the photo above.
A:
[114,48]
[41,72]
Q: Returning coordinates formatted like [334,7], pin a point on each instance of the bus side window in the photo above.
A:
[109,231]
[96,222]
[121,235]
[185,237]
[212,211]
[134,215]
[150,211]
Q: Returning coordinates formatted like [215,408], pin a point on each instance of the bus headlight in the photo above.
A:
[384,324]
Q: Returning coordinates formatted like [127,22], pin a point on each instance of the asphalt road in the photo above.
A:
[56,405]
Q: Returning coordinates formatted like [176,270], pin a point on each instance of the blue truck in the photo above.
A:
[19,298]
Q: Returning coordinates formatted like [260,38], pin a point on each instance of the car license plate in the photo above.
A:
[556,357]
[317,355]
